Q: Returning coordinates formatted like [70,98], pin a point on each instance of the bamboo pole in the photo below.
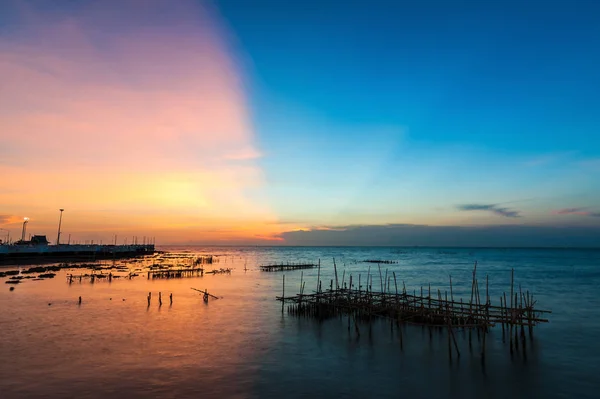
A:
[336,275]
[319,277]
[529,314]
[512,274]
[502,323]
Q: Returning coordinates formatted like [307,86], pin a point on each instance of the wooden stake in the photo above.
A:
[319,276]
[336,276]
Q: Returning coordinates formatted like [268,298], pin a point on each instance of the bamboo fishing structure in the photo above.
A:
[175,273]
[384,262]
[287,266]
[425,309]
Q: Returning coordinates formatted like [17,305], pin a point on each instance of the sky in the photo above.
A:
[302,122]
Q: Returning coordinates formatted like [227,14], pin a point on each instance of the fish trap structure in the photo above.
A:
[175,273]
[205,260]
[382,261]
[514,313]
[220,271]
[288,266]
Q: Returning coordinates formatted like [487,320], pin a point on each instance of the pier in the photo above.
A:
[22,254]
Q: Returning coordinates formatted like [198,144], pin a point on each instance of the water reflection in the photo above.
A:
[242,346]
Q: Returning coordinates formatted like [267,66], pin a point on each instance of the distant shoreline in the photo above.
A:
[373,246]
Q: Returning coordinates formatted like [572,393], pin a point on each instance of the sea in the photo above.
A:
[242,345]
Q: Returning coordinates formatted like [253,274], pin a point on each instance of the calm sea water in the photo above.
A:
[241,345]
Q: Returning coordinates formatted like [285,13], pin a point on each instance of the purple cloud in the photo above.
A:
[576,211]
[494,208]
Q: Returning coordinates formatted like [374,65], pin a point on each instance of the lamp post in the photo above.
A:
[25,220]
[59,223]
[7,236]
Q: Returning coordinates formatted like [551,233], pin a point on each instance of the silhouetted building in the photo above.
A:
[39,240]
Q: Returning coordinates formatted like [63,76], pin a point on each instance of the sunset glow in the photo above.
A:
[138,130]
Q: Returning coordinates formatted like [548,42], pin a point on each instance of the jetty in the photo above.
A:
[515,313]
[22,254]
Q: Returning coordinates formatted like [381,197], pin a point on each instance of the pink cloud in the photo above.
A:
[140,106]
[576,211]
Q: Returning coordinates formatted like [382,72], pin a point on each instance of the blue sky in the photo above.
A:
[375,111]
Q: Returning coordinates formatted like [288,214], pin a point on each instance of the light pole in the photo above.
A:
[59,223]
[7,236]
[25,220]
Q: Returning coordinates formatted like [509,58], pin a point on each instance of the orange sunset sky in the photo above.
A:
[147,133]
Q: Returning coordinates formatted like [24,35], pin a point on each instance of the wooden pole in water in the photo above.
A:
[336,276]
[319,277]
[449,332]
[521,314]
[507,321]
[487,289]
[283,295]
[429,297]
[516,326]
[451,293]
[529,308]
[380,277]
[502,318]
[349,293]
[387,285]
[512,276]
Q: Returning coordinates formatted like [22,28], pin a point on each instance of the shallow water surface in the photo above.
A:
[241,345]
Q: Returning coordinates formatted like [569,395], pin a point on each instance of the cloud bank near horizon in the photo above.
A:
[576,211]
[448,236]
[493,208]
